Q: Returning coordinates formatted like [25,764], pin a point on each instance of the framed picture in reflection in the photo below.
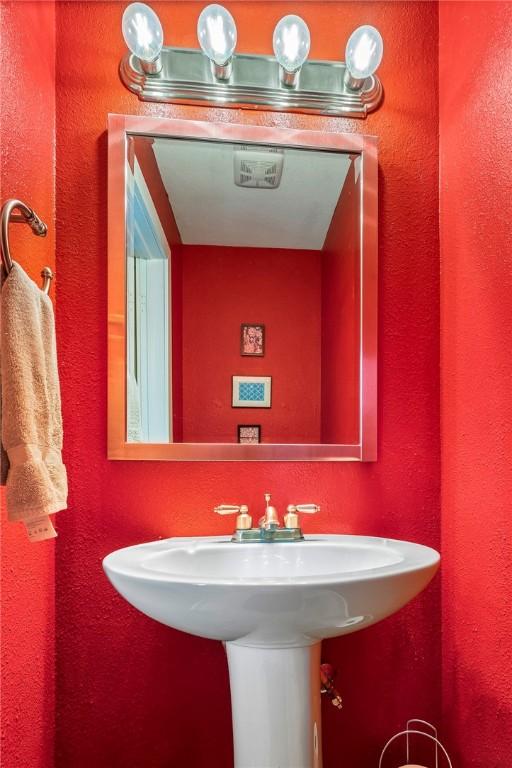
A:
[252,339]
[249,434]
[252,392]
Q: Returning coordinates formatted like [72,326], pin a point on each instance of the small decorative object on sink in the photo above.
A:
[272,606]
[268,529]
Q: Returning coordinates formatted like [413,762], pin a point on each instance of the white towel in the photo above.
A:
[134,425]
[31,408]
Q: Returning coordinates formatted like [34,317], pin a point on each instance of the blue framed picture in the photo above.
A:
[252,391]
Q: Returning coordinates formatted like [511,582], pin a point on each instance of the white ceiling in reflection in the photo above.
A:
[210,209]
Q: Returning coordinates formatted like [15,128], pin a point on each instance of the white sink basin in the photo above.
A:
[272,604]
[271,594]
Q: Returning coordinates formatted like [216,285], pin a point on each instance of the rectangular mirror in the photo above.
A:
[242,292]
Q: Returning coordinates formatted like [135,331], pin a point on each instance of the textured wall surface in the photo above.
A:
[27,631]
[131,692]
[476,378]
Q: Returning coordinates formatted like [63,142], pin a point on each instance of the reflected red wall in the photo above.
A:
[476,375]
[278,288]
[142,149]
[341,309]
[131,692]
[27,143]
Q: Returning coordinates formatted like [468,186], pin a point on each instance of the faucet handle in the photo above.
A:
[308,509]
[291,519]
[230,509]
[243,519]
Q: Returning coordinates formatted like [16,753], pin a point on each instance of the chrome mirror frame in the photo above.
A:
[120,127]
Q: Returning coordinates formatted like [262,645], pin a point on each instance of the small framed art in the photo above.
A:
[252,339]
[249,433]
[252,391]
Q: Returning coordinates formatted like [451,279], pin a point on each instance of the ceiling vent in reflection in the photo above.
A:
[258,167]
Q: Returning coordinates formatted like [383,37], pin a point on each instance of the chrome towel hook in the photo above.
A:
[25,216]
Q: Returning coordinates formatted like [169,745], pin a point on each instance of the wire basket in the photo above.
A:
[413,729]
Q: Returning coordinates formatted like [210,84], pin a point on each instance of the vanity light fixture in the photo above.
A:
[214,74]
[291,43]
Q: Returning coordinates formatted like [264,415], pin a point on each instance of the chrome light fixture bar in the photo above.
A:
[214,75]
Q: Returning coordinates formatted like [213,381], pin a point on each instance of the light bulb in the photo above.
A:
[291,42]
[216,32]
[142,31]
[363,53]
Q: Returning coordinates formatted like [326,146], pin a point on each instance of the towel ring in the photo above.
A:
[38,227]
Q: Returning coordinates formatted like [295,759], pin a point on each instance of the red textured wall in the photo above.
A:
[476,378]
[279,288]
[27,631]
[131,692]
[341,310]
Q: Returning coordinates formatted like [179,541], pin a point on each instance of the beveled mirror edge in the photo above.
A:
[119,127]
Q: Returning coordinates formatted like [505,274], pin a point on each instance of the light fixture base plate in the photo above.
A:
[186,78]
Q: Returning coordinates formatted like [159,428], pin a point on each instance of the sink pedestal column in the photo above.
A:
[275,701]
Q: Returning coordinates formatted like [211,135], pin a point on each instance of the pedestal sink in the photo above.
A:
[272,604]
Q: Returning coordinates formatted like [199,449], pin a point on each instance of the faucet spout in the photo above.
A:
[270,520]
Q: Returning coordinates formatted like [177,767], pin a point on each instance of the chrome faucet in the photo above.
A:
[268,529]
